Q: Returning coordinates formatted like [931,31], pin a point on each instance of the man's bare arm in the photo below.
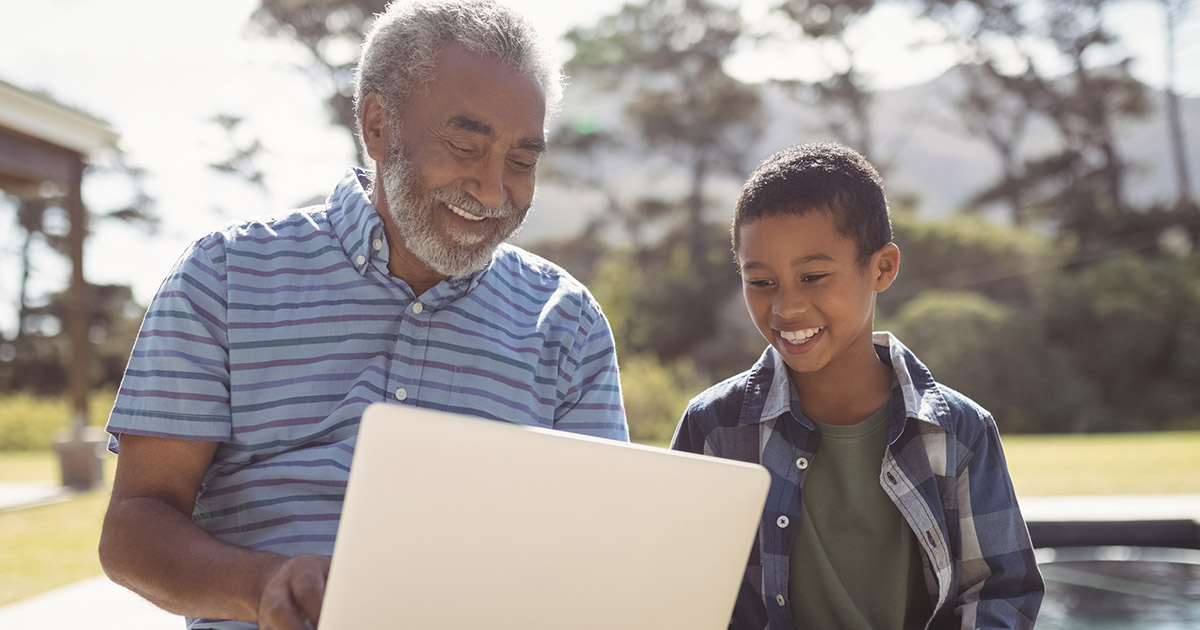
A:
[150,545]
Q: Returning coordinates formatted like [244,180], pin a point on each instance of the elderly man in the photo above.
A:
[238,414]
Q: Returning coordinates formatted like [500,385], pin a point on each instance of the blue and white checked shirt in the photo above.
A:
[943,469]
[271,337]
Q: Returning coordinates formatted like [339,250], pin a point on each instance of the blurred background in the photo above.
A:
[1042,161]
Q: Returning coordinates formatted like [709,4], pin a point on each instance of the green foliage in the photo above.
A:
[663,302]
[36,360]
[1132,325]
[30,423]
[998,356]
[655,396]
[966,252]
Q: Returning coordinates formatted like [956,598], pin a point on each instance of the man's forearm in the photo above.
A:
[154,550]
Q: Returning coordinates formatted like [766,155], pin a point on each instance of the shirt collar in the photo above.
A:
[769,383]
[356,223]
[359,229]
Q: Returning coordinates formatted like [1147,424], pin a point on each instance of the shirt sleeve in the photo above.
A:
[177,382]
[592,404]
[1000,585]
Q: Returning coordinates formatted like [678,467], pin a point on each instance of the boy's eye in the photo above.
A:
[813,277]
[759,283]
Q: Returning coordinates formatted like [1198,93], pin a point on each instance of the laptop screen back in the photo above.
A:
[458,522]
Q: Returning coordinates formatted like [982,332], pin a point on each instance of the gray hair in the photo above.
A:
[401,51]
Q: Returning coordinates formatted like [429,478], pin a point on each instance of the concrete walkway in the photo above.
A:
[95,603]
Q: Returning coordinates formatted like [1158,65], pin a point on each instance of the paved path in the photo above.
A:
[96,604]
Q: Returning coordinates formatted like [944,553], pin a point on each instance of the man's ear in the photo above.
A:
[885,264]
[375,127]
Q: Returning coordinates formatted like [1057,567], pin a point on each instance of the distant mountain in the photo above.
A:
[923,149]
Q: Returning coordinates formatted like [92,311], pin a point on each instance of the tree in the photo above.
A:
[989,108]
[331,30]
[844,96]
[1079,186]
[1174,12]
[683,103]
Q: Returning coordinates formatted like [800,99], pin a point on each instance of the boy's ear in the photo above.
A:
[885,264]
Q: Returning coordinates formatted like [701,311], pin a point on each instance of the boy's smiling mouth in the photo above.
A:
[798,337]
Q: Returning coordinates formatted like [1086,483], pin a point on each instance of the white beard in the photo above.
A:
[431,237]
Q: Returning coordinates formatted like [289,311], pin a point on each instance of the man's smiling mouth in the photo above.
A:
[463,213]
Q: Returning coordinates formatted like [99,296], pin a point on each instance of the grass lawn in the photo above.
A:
[51,545]
[55,545]
[1108,463]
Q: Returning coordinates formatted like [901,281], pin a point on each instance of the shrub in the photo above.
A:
[31,423]
[655,396]
[999,357]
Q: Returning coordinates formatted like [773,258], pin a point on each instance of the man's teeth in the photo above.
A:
[798,336]
[463,213]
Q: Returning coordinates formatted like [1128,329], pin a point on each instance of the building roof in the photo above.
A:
[41,117]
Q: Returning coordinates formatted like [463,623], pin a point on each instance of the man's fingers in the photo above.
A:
[308,590]
[293,595]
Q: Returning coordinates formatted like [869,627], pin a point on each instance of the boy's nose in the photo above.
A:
[789,304]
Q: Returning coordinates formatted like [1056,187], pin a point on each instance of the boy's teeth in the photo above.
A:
[463,213]
[797,336]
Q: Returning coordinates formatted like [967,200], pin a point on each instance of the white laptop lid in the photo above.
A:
[458,522]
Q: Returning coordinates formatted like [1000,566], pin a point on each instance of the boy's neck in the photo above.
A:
[847,391]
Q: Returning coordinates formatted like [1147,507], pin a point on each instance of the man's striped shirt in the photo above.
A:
[272,336]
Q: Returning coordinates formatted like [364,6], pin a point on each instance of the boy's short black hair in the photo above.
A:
[819,176]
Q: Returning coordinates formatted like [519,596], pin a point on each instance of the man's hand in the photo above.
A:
[293,593]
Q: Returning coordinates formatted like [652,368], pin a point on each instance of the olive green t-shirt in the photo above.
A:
[855,563]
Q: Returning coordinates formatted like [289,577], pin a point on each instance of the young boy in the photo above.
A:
[890,504]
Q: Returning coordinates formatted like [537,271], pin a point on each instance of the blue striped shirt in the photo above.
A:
[272,336]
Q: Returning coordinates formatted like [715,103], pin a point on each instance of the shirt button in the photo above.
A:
[782,521]
[418,307]
[802,463]
[779,599]
[377,244]
[361,259]
[401,394]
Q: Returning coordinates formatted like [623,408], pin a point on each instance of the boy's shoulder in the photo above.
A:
[928,399]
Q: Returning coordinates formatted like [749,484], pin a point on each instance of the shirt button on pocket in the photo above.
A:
[802,463]
[782,521]
[779,600]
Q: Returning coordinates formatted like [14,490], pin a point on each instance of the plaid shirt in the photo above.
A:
[943,469]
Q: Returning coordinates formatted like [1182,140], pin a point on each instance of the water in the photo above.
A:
[1120,588]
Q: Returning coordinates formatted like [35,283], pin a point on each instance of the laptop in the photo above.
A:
[457,522]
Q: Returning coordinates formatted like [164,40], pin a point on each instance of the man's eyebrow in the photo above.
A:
[470,125]
[533,144]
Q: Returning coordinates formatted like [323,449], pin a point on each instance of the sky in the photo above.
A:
[158,72]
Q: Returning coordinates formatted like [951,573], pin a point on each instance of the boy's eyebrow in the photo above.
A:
[470,125]
[803,260]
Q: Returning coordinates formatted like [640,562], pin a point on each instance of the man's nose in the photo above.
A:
[488,182]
